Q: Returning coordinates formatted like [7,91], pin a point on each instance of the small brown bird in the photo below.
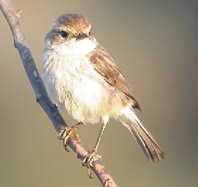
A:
[82,78]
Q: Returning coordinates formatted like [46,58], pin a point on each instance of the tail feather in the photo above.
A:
[149,146]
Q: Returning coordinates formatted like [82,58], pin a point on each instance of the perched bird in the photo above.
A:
[82,78]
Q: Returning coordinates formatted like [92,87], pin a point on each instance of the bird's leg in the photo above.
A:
[65,134]
[91,157]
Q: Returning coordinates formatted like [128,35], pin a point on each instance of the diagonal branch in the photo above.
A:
[20,43]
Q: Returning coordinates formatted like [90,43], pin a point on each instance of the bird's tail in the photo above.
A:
[148,145]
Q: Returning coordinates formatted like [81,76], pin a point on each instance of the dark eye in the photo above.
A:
[64,34]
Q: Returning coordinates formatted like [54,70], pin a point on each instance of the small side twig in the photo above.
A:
[59,124]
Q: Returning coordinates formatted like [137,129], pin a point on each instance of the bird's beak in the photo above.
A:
[81,36]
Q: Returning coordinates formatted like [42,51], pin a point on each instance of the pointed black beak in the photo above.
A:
[81,36]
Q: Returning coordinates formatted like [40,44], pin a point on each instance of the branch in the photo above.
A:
[42,98]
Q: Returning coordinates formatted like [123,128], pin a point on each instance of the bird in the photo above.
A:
[82,78]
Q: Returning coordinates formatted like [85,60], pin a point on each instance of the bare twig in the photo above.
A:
[20,43]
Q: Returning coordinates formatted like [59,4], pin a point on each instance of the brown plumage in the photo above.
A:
[105,66]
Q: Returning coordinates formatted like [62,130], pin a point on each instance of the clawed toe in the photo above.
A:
[66,133]
[90,158]
[88,162]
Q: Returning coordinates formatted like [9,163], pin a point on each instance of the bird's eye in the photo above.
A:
[64,34]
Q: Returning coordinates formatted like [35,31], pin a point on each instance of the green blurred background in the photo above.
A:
[155,44]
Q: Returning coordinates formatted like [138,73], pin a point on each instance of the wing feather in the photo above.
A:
[105,66]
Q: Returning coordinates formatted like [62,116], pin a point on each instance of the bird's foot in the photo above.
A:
[66,133]
[88,161]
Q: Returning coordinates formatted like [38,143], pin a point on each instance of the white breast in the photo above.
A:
[72,84]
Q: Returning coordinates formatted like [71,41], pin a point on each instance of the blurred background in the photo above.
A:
[155,45]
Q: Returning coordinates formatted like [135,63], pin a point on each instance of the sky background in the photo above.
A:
[155,45]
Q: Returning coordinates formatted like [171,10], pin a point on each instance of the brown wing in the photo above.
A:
[105,66]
